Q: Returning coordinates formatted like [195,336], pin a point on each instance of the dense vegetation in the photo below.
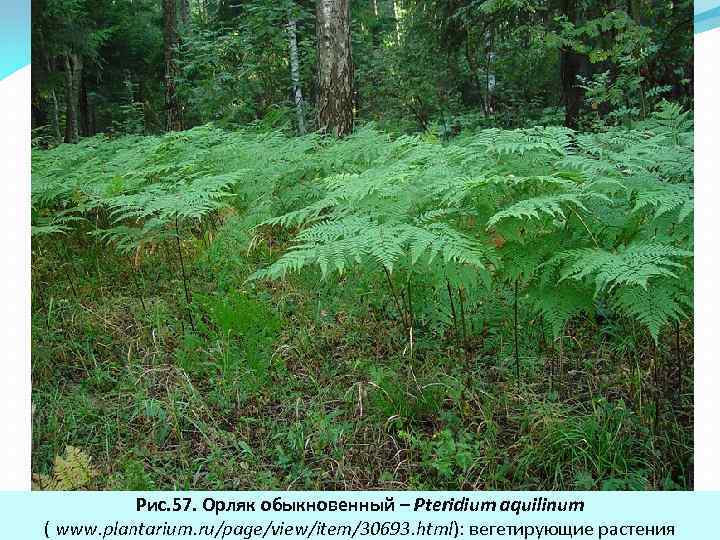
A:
[484,283]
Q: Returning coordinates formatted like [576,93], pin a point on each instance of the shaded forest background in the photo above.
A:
[120,66]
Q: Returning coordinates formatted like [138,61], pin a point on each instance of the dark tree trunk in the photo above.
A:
[92,121]
[73,78]
[38,114]
[471,56]
[335,68]
[173,110]
[572,64]
[84,110]
[54,111]
[185,12]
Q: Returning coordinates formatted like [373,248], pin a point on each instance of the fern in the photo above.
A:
[654,308]
[631,266]
[568,216]
[664,198]
[74,470]
[551,205]
[334,245]
[558,305]
[60,223]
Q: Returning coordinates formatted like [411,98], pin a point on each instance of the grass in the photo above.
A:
[304,384]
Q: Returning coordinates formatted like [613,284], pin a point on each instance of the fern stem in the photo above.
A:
[395,297]
[454,315]
[656,423]
[461,294]
[411,313]
[561,364]
[204,234]
[71,274]
[679,358]
[411,316]
[592,236]
[517,352]
[213,223]
[184,276]
[137,285]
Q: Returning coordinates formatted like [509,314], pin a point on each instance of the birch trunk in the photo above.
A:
[55,117]
[295,75]
[335,68]
[54,108]
[73,78]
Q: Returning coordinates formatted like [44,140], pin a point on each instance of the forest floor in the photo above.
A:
[333,398]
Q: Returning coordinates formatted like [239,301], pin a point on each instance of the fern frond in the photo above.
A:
[631,266]
[654,308]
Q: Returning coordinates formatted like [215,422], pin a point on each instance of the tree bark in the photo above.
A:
[50,65]
[471,56]
[489,73]
[396,19]
[84,110]
[295,75]
[335,68]
[38,114]
[185,12]
[572,64]
[55,117]
[73,78]
[173,110]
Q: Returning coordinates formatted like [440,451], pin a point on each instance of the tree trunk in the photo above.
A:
[185,12]
[295,75]
[73,78]
[55,117]
[38,115]
[396,18]
[471,56]
[50,66]
[489,73]
[84,110]
[572,64]
[335,68]
[173,110]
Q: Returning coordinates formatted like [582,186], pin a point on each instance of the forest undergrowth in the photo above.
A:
[506,309]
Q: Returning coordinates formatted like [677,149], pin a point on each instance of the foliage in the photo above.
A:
[530,205]
[419,64]
[238,73]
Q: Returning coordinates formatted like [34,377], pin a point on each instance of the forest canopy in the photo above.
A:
[102,66]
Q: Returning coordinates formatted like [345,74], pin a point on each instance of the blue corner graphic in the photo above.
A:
[14,36]
[707,20]
[706,15]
